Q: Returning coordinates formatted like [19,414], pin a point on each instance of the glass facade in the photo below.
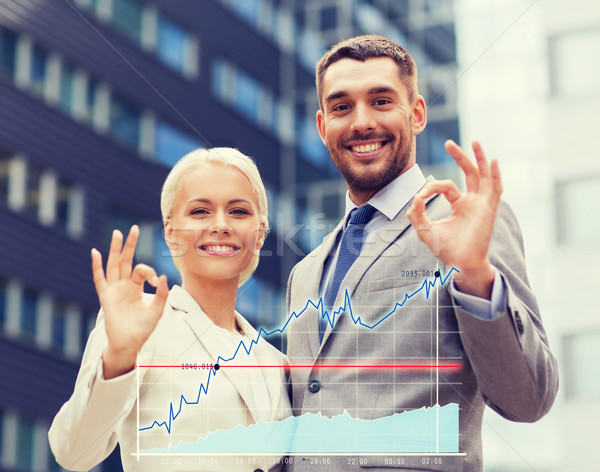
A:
[59,325]
[66,95]
[582,370]
[39,62]
[127,17]
[171,144]
[172,45]
[574,72]
[578,214]
[248,96]
[32,190]
[125,120]
[29,314]
[8,51]
[3,287]
[5,160]
[25,436]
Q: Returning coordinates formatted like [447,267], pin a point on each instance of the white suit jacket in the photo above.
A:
[101,413]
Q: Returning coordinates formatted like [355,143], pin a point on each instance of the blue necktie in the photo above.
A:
[350,246]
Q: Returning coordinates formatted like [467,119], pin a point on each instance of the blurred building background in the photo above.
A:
[99,98]
[529,89]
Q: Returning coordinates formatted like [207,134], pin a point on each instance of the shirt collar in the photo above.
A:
[392,198]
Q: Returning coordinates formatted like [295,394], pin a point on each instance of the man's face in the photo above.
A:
[368,123]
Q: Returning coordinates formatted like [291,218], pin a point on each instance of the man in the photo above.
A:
[483,317]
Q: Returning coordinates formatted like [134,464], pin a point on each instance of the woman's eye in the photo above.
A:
[240,211]
[199,211]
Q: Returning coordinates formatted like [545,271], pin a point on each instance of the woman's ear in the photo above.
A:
[169,234]
[260,239]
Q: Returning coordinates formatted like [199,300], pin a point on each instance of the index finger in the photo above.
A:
[468,167]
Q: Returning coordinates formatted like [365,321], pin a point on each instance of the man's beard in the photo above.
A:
[367,180]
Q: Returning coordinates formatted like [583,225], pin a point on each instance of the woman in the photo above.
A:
[164,347]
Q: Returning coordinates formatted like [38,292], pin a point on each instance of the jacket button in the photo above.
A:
[520,328]
[258,470]
[314,386]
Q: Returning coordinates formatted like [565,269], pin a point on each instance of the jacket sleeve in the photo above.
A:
[510,356]
[84,431]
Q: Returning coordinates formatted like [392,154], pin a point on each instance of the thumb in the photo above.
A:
[160,299]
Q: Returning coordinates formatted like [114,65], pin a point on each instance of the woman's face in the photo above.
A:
[215,225]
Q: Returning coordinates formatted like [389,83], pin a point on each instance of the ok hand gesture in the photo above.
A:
[462,239]
[129,319]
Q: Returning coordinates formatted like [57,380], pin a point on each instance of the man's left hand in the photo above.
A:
[462,239]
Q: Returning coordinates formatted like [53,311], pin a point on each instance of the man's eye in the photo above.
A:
[381,101]
[340,108]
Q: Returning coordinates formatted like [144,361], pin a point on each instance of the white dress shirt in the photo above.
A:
[388,202]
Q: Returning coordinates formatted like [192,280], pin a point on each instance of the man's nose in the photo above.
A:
[363,119]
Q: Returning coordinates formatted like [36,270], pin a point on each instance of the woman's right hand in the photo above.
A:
[128,318]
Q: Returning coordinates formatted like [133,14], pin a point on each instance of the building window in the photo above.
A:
[32,190]
[578,214]
[127,17]
[262,15]
[88,323]
[573,72]
[68,211]
[171,144]
[25,443]
[66,95]
[310,142]
[174,44]
[155,32]
[582,371]
[39,69]
[89,100]
[59,325]
[3,287]
[431,142]
[29,314]
[5,160]
[248,96]
[8,51]
[2,453]
[125,119]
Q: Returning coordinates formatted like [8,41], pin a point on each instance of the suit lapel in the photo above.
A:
[319,257]
[265,356]
[206,332]
[385,237]
[309,325]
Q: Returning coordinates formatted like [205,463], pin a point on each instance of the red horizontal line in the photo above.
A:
[322,366]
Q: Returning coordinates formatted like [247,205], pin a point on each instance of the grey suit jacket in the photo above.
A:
[506,363]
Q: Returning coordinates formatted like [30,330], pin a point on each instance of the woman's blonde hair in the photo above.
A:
[228,157]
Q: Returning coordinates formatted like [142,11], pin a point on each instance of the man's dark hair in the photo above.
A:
[364,47]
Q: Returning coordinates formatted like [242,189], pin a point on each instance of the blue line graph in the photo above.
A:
[347,306]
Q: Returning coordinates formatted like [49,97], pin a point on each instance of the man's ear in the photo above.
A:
[419,115]
[321,126]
